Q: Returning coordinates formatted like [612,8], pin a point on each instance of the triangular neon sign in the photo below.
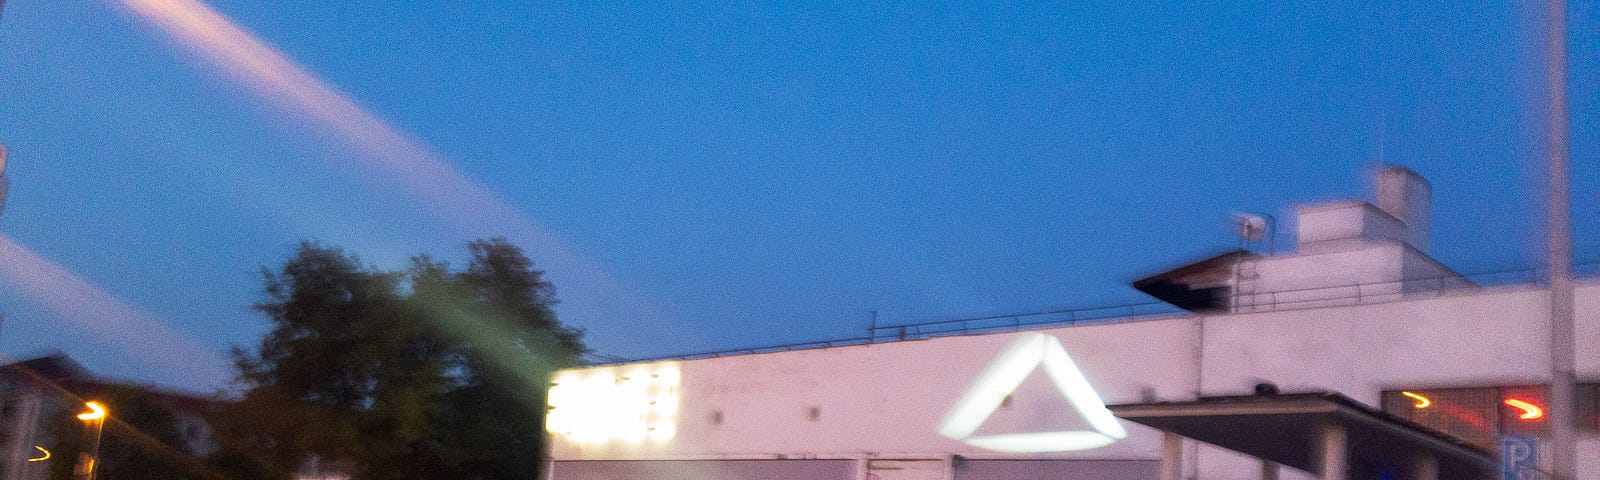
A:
[1005,375]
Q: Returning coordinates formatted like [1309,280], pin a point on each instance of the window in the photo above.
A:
[1477,415]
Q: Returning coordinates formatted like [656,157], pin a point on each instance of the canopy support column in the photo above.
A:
[1171,456]
[1335,453]
[1425,467]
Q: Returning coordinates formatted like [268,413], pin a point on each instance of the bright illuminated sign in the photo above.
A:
[1007,373]
[632,403]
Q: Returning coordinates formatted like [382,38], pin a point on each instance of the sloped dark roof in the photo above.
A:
[1197,287]
[54,367]
[59,372]
[1219,262]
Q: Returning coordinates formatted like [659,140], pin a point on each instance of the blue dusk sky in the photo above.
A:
[707,175]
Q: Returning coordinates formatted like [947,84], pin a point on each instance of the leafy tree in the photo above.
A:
[424,373]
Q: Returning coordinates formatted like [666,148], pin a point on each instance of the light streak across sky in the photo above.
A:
[147,342]
[396,158]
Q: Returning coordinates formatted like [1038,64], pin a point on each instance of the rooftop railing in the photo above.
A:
[1265,301]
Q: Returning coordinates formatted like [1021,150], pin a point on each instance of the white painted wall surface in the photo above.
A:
[1586,309]
[1467,339]
[1364,273]
[1423,274]
[886,400]
[1331,278]
[1332,226]
[1470,338]
[1408,197]
[1589,458]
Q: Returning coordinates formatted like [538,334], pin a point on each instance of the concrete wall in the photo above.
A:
[1408,197]
[886,401]
[1336,226]
[1325,279]
[707,470]
[1366,272]
[1056,469]
[1468,338]
[846,469]
[1424,274]
[1465,339]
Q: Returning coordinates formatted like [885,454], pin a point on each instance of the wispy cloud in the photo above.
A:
[394,158]
[86,309]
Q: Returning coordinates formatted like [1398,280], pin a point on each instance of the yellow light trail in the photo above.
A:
[407,164]
[41,450]
[1422,402]
[84,307]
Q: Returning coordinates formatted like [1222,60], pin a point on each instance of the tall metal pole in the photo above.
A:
[1563,407]
[89,458]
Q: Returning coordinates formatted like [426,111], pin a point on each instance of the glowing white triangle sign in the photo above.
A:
[1005,375]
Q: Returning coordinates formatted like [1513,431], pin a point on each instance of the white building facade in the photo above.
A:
[1359,309]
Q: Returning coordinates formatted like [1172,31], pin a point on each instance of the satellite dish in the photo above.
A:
[1251,227]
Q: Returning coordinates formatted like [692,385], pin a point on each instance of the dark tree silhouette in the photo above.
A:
[424,373]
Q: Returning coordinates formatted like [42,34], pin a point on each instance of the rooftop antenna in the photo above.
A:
[4,184]
[1252,229]
[872,326]
[1383,133]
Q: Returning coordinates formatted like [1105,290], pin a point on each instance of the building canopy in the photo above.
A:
[1289,430]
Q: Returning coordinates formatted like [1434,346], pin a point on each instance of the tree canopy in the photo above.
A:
[427,372]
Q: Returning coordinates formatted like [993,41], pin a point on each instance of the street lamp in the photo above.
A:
[96,418]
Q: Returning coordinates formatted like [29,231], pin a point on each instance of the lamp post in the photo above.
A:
[1562,348]
[96,418]
[4,184]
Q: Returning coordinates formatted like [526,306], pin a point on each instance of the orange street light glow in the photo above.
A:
[96,411]
[1422,402]
[1529,410]
[41,450]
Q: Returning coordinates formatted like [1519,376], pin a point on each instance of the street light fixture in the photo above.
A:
[96,418]
[96,411]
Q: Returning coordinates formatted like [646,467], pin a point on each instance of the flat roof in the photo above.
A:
[1286,429]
